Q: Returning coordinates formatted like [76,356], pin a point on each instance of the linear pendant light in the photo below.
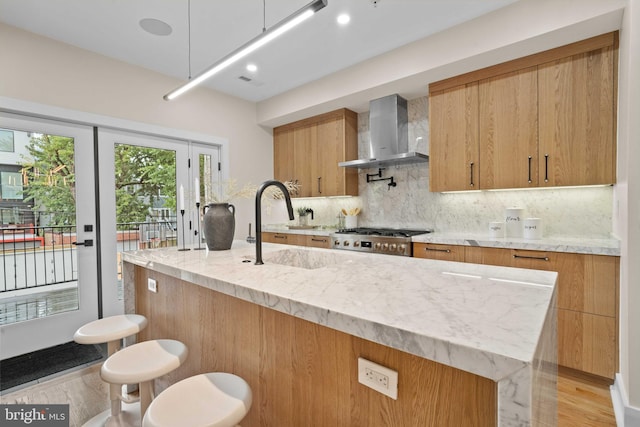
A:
[265,37]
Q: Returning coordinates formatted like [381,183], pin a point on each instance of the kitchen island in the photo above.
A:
[472,344]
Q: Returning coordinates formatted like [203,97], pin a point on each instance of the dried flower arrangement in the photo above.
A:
[228,191]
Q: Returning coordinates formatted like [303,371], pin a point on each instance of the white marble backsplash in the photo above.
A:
[565,212]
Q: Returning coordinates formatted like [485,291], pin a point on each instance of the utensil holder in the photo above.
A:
[351,221]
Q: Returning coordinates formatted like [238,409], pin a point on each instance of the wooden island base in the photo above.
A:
[302,373]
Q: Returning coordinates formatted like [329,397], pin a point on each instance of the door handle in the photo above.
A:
[88,242]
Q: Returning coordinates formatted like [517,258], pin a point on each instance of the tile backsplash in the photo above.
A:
[565,212]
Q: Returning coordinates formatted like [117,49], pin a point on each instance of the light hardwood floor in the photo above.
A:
[582,401]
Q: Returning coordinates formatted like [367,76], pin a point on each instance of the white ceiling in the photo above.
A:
[313,50]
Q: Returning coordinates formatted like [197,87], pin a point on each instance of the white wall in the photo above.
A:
[628,202]
[40,70]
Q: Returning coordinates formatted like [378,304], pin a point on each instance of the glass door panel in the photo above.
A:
[207,179]
[47,219]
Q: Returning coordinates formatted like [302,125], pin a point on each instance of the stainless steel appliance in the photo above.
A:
[389,136]
[389,241]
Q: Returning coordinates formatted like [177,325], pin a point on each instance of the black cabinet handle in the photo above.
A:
[541,258]
[471,177]
[319,189]
[280,237]
[319,240]
[529,169]
[438,250]
[546,168]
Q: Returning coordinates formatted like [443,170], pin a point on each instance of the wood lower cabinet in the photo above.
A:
[438,252]
[587,301]
[587,342]
[318,242]
[297,239]
[284,238]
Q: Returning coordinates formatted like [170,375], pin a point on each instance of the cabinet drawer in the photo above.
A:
[284,238]
[587,342]
[319,241]
[438,252]
[586,283]
[488,256]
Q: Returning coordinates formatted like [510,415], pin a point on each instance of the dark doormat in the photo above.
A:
[39,364]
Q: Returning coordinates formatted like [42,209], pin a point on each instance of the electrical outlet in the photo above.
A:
[378,377]
[152,285]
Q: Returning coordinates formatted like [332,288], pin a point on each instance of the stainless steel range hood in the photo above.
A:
[389,135]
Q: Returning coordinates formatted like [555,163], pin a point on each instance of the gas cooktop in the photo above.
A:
[385,232]
[389,241]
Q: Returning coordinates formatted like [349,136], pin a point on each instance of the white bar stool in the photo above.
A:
[215,399]
[112,330]
[141,364]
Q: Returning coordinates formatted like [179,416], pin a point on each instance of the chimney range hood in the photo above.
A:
[389,136]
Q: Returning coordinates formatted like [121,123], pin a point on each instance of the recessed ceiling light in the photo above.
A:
[252,68]
[155,27]
[343,19]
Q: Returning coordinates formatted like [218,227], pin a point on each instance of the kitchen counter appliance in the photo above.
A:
[388,241]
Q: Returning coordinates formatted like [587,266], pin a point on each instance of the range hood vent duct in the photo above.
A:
[389,141]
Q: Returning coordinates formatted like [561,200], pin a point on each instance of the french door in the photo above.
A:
[48,246]
[162,223]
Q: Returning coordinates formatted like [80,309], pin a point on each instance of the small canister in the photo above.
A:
[351,222]
[496,229]
[513,218]
[532,228]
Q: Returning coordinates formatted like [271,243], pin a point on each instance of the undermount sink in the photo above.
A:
[305,259]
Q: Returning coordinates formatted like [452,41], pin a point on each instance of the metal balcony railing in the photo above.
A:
[37,256]
[39,266]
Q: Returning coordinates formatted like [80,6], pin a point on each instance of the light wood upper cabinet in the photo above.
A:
[547,119]
[283,155]
[308,151]
[454,157]
[576,108]
[305,158]
[509,130]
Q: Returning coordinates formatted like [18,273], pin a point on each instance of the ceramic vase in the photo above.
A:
[219,225]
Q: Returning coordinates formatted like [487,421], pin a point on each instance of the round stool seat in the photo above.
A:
[144,361]
[215,399]
[110,329]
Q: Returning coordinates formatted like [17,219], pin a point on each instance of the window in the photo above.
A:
[11,186]
[6,140]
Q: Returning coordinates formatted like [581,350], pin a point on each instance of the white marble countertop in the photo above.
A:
[482,319]
[579,245]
